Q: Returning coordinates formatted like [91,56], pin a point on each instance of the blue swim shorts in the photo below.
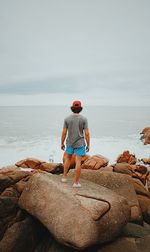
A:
[81,151]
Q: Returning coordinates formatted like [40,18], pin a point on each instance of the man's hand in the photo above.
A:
[63,147]
[87,148]
[63,137]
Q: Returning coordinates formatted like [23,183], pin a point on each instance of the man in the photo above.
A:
[78,140]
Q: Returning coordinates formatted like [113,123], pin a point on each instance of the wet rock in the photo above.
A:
[95,162]
[76,217]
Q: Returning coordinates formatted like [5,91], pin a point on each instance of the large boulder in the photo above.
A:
[120,184]
[76,217]
[95,162]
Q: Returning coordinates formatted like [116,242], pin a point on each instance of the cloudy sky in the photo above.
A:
[56,51]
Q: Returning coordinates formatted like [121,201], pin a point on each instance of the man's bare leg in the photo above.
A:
[67,164]
[78,168]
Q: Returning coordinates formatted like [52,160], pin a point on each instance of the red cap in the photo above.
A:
[76,104]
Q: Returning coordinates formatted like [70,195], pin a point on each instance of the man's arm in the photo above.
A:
[87,138]
[63,137]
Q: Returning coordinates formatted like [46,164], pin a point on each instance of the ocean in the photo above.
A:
[35,131]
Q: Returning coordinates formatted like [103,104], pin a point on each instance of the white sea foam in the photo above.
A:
[42,148]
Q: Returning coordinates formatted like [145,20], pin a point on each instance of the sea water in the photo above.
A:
[35,131]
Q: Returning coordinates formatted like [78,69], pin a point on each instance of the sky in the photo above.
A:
[55,51]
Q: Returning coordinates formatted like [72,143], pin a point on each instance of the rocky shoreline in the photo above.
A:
[110,212]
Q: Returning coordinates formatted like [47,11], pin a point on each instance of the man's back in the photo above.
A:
[75,125]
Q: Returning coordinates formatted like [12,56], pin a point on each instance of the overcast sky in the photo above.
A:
[56,51]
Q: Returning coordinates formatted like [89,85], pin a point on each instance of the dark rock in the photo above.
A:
[122,245]
[136,231]
[5,181]
[144,202]
[20,237]
[7,205]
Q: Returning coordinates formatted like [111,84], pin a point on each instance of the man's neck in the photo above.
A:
[76,114]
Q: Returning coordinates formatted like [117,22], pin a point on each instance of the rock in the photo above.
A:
[145,130]
[136,171]
[144,202]
[146,160]
[8,205]
[95,162]
[143,244]
[9,168]
[20,237]
[107,169]
[5,181]
[126,244]
[126,157]
[146,135]
[72,165]
[120,184]
[139,187]
[18,175]
[134,230]
[8,211]
[148,182]
[76,217]
[39,164]
[140,174]
[29,163]
[10,192]
[124,168]
[141,169]
[21,185]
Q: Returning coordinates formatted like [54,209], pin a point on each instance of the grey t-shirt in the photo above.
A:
[75,124]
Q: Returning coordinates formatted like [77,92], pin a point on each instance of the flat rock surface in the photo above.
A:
[76,217]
